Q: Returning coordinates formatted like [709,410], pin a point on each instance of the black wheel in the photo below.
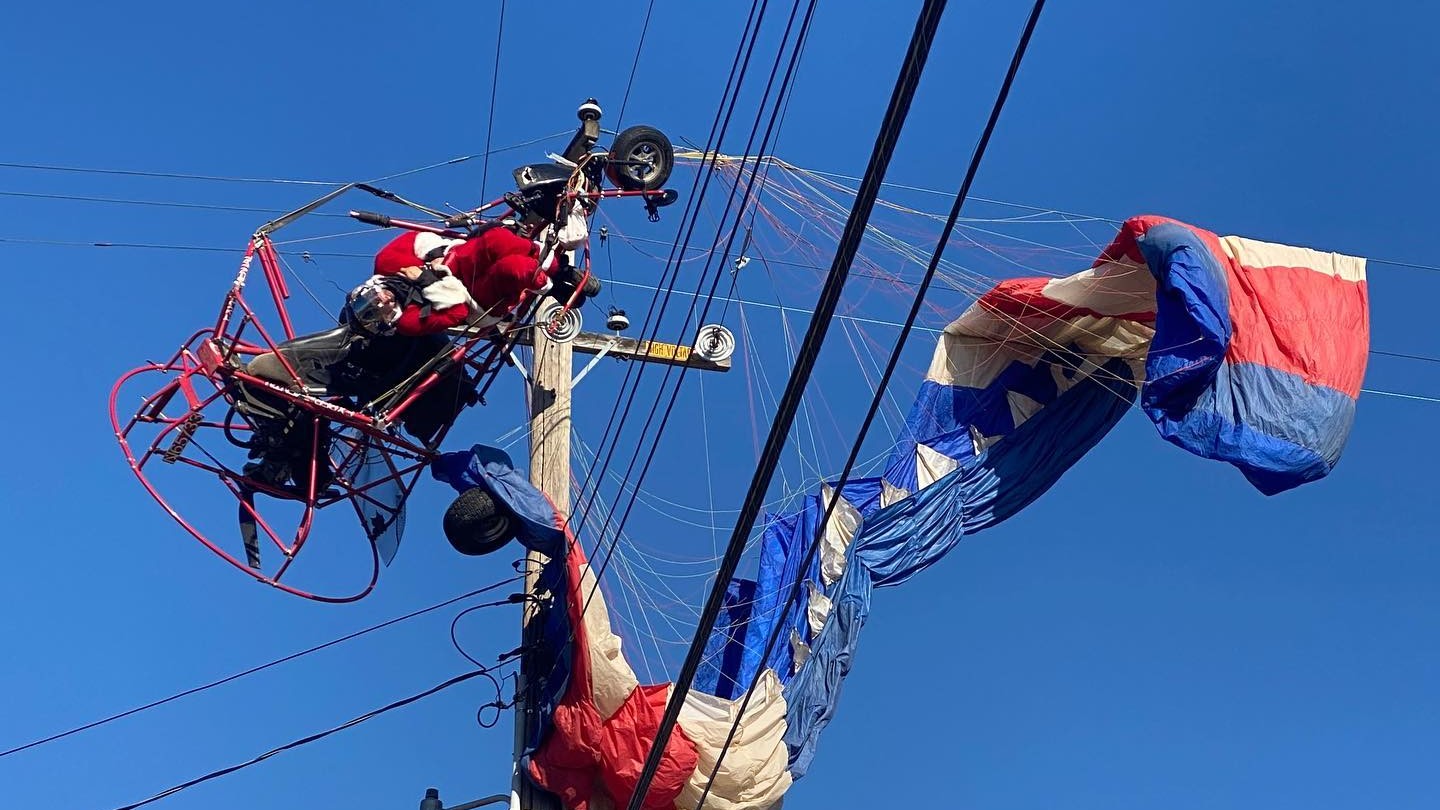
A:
[475,524]
[565,280]
[641,159]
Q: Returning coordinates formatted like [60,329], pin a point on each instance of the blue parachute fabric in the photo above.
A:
[724,652]
[492,469]
[735,645]
[899,541]
[488,467]
[1192,321]
[782,550]
[1259,349]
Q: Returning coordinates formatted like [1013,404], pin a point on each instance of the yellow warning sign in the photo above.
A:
[663,351]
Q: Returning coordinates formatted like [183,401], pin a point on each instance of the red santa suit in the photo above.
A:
[487,275]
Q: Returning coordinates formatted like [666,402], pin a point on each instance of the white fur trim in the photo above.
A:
[446,293]
[426,242]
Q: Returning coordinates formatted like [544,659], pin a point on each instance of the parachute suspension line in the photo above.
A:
[718,274]
[252,670]
[907,82]
[968,282]
[679,250]
[639,48]
[813,547]
[486,673]
[494,83]
[629,386]
[719,269]
[709,478]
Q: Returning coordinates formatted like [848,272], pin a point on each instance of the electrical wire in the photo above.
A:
[440,687]
[259,668]
[272,180]
[166,175]
[494,84]
[886,140]
[977,156]
[639,47]
[629,386]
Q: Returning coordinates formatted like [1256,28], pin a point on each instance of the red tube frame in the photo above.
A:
[212,353]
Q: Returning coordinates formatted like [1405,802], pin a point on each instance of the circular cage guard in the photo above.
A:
[188,416]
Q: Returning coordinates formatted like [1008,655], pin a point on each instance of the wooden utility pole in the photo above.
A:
[551,386]
[550,389]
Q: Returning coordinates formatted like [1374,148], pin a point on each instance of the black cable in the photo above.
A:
[629,386]
[639,47]
[812,549]
[167,175]
[627,239]
[718,274]
[494,83]
[458,679]
[1406,356]
[157,203]
[907,82]
[609,551]
[513,599]
[252,670]
[750,187]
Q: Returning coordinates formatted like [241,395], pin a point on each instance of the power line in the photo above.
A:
[167,175]
[269,180]
[709,297]
[639,47]
[494,84]
[849,244]
[262,667]
[977,156]
[629,386]
[775,118]
[747,302]
[458,679]
[1399,395]
[156,203]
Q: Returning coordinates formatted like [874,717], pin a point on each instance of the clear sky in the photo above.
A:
[1152,633]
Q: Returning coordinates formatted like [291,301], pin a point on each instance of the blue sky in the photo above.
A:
[1152,633]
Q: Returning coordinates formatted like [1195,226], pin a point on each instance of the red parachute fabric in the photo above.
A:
[585,753]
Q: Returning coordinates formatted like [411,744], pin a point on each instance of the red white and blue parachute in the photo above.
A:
[1240,351]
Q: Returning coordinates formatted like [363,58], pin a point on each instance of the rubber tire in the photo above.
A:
[627,143]
[475,524]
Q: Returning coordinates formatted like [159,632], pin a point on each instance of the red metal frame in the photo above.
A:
[177,423]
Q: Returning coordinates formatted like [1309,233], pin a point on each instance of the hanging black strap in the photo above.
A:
[248,533]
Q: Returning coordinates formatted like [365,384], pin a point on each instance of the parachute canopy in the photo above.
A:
[1239,351]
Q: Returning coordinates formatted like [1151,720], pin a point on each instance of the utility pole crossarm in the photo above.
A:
[623,348]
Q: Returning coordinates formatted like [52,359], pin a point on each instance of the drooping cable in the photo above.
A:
[911,70]
[440,687]
[634,65]
[258,668]
[976,157]
[719,271]
[650,327]
[494,84]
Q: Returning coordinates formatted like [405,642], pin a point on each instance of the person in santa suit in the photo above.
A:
[423,285]
[477,280]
